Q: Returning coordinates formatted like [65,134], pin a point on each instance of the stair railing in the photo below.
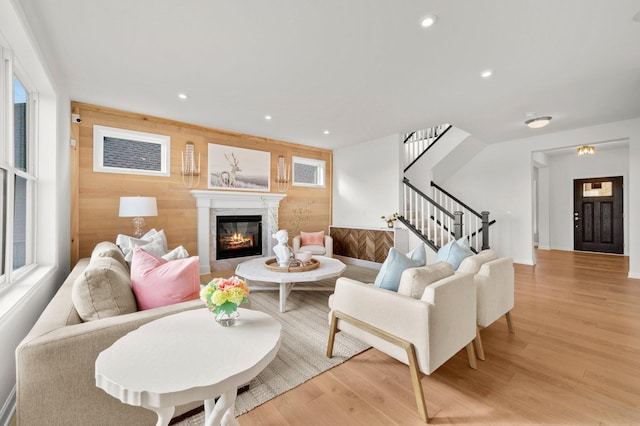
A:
[476,225]
[429,220]
[417,143]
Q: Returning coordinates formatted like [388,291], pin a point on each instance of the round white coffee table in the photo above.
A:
[255,269]
[188,357]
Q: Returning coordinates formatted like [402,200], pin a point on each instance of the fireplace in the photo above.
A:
[238,236]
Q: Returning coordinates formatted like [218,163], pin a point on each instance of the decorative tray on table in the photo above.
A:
[294,265]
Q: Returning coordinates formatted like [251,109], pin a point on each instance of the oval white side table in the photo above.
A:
[188,357]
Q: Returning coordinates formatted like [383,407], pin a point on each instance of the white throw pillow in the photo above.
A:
[177,253]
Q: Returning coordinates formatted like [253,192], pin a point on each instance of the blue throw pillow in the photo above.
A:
[418,255]
[391,270]
[454,252]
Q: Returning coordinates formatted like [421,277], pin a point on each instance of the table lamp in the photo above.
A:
[137,207]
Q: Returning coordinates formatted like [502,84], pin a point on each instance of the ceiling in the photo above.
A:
[362,69]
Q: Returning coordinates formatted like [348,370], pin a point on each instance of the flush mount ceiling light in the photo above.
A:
[586,150]
[428,21]
[182,96]
[267,117]
[326,132]
[486,73]
[536,123]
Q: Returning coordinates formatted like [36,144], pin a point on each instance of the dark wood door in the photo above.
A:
[597,215]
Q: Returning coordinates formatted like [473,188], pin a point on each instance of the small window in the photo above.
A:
[308,172]
[597,189]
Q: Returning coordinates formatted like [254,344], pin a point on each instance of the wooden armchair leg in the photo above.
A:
[414,370]
[417,384]
[333,329]
[471,354]
[509,323]
[478,344]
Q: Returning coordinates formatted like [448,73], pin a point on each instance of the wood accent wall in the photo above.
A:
[364,244]
[95,196]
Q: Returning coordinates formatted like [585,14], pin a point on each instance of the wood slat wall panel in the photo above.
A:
[365,244]
[95,203]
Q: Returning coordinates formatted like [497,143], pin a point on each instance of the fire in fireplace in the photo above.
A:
[238,236]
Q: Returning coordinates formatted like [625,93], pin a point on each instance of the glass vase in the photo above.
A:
[227,320]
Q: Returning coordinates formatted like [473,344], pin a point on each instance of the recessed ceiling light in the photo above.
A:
[182,96]
[536,123]
[326,132]
[267,117]
[428,21]
[486,73]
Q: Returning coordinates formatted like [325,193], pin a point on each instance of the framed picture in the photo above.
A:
[130,152]
[239,168]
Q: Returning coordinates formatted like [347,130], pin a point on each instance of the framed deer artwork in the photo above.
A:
[239,169]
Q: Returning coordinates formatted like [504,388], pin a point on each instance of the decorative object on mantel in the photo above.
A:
[293,266]
[586,150]
[190,171]
[390,219]
[283,175]
[222,297]
[137,207]
[283,252]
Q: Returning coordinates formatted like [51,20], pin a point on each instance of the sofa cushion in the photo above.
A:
[312,238]
[392,268]
[159,282]
[414,280]
[454,252]
[472,264]
[153,242]
[103,290]
[177,253]
[108,249]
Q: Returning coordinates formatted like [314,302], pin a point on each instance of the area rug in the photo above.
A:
[302,353]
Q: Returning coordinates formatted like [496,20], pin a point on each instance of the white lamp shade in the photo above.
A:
[138,207]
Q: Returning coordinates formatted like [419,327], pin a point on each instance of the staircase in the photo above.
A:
[440,217]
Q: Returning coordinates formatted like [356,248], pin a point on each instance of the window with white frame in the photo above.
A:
[308,172]
[17,178]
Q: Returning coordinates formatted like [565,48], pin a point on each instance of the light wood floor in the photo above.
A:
[574,359]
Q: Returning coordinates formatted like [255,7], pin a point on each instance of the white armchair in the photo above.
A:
[315,242]
[494,281]
[422,332]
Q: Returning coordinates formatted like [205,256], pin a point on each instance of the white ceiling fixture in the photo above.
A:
[267,117]
[538,122]
[326,132]
[486,73]
[428,21]
[183,96]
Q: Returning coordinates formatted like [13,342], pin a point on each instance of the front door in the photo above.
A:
[597,215]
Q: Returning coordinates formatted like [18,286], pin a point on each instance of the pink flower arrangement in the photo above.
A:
[224,294]
[391,218]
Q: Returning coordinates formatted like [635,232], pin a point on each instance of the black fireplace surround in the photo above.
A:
[238,236]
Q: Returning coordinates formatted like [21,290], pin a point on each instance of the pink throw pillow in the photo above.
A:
[158,282]
[312,238]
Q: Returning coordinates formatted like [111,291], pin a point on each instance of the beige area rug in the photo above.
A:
[302,353]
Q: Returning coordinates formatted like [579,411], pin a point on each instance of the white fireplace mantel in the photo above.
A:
[208,200]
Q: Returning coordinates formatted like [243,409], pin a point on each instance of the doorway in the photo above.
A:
[597,215]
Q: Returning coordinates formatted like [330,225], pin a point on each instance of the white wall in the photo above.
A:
[23,302]
[499,180]
[563,169]
[366,182]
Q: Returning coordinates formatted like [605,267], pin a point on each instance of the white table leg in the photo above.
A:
[164,414]
[285,289]
[221,412]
